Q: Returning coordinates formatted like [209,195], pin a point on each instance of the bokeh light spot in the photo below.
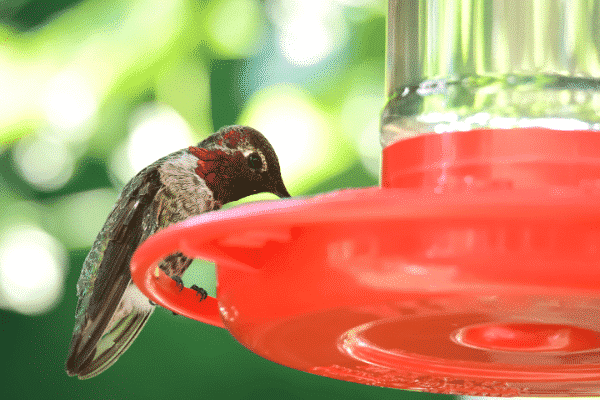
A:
[309,31]
[32,267]
[235,27]
[155,131]
[69,102]
[45,164]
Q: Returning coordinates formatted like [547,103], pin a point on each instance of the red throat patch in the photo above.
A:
[214,165]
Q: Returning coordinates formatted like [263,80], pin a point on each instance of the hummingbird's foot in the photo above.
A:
[151,303]
[200,292]
[178,281]
[175,314]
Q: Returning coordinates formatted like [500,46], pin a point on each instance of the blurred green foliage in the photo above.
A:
[77,79]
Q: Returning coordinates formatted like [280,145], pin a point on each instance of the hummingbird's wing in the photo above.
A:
[111,311]
[111,345]
[125,324]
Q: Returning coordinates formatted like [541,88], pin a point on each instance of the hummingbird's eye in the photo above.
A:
[254,161]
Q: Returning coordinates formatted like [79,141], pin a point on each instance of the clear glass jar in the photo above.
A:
[459,65]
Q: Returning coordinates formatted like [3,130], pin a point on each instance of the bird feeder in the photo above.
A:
[475,267]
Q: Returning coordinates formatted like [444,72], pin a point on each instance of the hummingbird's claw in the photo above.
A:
[151,303]
[178,281]
[200,292]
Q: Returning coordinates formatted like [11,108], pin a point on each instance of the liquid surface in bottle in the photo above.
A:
[497,102]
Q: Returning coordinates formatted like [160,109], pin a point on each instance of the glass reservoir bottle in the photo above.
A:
[531,67]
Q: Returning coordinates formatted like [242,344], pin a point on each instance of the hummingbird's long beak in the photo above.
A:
[280,190]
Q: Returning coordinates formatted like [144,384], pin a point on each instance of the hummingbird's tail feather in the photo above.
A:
[105,335]
[110,347]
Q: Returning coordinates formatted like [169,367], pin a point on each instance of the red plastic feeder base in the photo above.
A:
[475,270]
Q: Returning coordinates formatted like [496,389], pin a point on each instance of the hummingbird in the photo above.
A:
[235,162]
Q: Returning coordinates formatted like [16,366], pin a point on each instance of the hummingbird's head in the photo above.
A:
[238,161]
